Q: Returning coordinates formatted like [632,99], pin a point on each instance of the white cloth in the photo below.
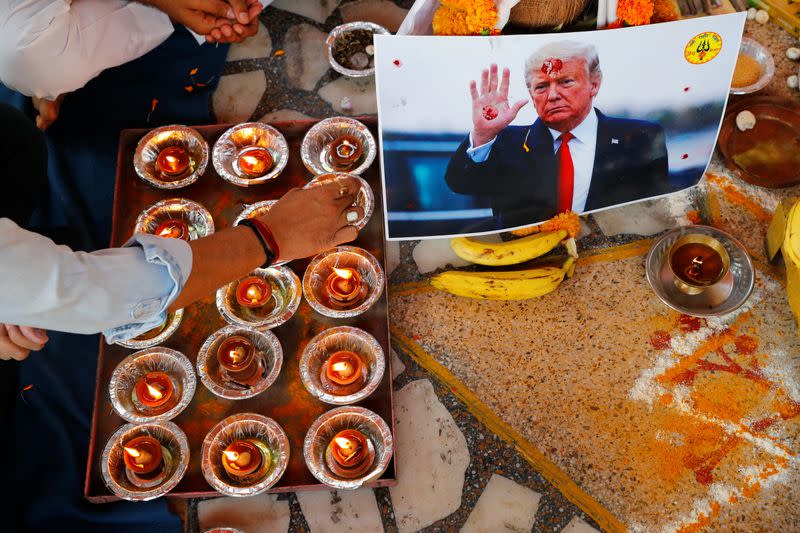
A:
[122,292]
[582,148]
[52,47]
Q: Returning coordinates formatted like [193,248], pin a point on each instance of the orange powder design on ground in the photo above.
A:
[726,384]
[737,197]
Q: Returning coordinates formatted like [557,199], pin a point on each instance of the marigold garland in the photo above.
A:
[465,17]
[635,12]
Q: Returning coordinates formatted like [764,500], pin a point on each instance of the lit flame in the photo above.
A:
[171,159]
[236,355]
[232,456]
[166,231]
[341,367]
[154,393]
[254,292]
[250,160]
[133,452]
[344,443]
[345,273]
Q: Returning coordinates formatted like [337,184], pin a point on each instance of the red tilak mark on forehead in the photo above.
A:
[489,112]
[551,67]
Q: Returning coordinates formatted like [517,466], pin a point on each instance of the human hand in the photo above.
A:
[308,221]
[491,112]
[201,16]
[16,342]
[47,111]
[228,31]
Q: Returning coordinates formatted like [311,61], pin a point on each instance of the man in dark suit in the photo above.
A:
[572,158]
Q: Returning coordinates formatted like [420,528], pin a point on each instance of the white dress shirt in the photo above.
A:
[122,292]
[52,47]
[582,148]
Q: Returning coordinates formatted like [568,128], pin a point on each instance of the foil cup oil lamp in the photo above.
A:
[245,454]
[171,157]
[338,144]
[176,218]
[342,365]
[238,362]
[154,384]
[348,447]
[142,462]
[700,271]
[265,299]
[250,154]
[343,282]
[351,50]
[157,335]
[363,199]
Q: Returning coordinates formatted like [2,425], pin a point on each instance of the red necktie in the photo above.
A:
[566,173]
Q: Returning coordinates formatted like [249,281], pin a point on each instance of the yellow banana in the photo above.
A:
[507,253]
[791,255]
[519,285]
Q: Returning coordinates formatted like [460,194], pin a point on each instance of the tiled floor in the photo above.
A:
[507,413]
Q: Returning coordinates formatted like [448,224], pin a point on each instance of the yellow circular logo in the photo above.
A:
[703,48]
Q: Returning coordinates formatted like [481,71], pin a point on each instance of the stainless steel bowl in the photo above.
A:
[158,359]
[764,57]
[171,326]
[176,461]
[330,341]
[144,159]
[268,348]
[316,147]
[242,137]
[242,426]
[286,294]
[196,217]
[337,32]
[329,424]
[724,297]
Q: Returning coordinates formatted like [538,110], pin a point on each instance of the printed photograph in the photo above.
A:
[489,134]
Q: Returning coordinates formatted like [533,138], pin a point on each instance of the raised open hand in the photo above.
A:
[491,111]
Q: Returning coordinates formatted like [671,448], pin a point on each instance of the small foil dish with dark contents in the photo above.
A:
[143,462]
[245,454]
[338,144]
[157,335]
[150,385]
[342,365]
[265,299]
[364,198]
[176,218]
[171,157]
[348,447]
[250,154]
[351,50]
[238,362]
[343,282]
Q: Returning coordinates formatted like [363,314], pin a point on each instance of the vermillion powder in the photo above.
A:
[747,72]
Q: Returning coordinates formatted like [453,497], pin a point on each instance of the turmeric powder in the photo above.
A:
[748,71]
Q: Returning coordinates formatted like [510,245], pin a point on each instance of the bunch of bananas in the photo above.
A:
[783,236]
[514,285]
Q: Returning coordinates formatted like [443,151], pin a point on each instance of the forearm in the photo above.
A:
[217,260]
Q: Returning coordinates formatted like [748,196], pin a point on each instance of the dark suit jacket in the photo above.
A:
[630,164]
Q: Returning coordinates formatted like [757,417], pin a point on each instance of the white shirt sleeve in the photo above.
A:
[479,154]
[120,291]
[52,47]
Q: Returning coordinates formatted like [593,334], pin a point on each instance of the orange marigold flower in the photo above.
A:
[635,12]
[465,17]
[568,221]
